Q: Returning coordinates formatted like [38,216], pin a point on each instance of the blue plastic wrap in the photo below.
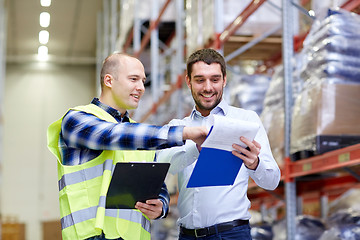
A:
[248,91]
[332,48]
[342,233]
[331,71]
[262,232]
[307,228]
[343,225]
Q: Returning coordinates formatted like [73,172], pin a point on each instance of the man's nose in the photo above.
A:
[140,86]
[207,85]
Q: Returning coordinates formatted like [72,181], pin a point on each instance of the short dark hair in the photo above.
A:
[208,56]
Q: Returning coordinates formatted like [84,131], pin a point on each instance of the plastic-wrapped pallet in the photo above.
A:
[248,91]
[262,232]
[343,222]
[273,114]
[307,228]
[326,112]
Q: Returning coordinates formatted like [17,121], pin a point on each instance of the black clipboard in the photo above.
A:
[135,181]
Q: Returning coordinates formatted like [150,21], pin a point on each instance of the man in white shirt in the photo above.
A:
[220,212]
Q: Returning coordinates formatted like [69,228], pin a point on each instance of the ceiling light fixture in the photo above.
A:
[43,37]
[43,53]
[44,19]
[45,3]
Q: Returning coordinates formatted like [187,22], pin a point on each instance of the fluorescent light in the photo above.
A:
[44,19]
[43,37]
[43,53]
[45,3]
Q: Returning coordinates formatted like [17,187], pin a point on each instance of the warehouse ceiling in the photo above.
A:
[72,32]
[72,29]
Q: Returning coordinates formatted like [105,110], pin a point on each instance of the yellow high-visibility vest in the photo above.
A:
[83,189]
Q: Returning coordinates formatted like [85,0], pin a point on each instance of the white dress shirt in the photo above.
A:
[206,206]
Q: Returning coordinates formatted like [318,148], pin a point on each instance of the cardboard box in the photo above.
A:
[324,109]
[13,231]
[52,230]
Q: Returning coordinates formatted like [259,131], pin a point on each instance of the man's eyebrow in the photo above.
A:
[134,75]
[137,77]
[200,76]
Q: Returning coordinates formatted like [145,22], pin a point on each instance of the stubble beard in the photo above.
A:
[201,106]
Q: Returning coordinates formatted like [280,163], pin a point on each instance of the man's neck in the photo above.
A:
[110,103]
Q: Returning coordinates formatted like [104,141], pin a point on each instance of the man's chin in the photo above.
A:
[133,106]
[207,107]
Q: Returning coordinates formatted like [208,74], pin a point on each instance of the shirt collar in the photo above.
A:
[222,108]
[112,111]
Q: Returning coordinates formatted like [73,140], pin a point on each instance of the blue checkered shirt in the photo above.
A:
[84,136]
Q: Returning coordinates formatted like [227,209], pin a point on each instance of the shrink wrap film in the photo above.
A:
[324,109]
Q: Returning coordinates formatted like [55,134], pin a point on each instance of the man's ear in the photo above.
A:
[225,81]
[187,79]
[108,80]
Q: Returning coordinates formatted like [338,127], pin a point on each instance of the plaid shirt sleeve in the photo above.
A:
[83,130]
[165,199]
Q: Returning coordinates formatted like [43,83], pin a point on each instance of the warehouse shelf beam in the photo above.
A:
[252,43]
[178,74]
[288,14]
[154,50]
[238,22]
[351,5]
[136,28]
[163,46]
[99,43]
[303,10]
[113,24]
[153,25]
[352,173]
[163,99]
[274,5]
[345,157]
[129,39]
[327,185]
[106,32]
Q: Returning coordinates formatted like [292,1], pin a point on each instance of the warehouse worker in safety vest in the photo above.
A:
[89,140]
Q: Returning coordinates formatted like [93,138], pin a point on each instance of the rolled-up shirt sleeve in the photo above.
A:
[267,174]
[164,197]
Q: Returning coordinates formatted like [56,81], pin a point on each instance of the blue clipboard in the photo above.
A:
[215,167]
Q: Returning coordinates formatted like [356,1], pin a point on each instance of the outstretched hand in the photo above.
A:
[250,155]
[196,134]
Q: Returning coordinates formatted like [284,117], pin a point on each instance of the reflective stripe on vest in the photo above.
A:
[85,174]
[89,213]
[86,214]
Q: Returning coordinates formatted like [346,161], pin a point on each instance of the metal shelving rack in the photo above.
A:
[338,160]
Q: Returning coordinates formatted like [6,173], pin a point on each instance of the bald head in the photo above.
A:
[112,65]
